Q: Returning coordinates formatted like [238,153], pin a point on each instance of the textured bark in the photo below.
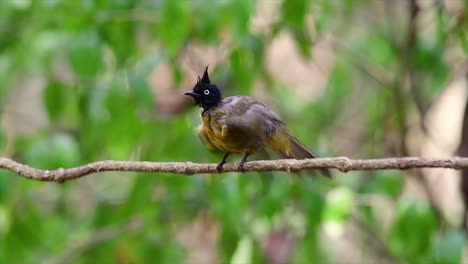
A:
[189,168]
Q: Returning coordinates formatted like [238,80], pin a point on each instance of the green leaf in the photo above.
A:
[411,233]
[447,248]
[273,201]
[386,182]
[84,54]
[293,12]
[174,25]
[54,151]
[2,139]
[243,253]
[338,87]
[7,181]
[433,70]
[123,128]
[339,204]
[463,39]
[303,43]
[120,36]
[137,198]
[314,206]
[244,62]
[141,91]
[241,11]
[209,19]
[5,220]
[378,49]
[54,98]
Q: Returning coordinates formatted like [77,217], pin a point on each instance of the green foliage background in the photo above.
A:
[105,108]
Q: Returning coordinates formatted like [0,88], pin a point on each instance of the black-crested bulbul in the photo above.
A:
[241,124]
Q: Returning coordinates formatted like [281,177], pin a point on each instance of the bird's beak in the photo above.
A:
[192,93]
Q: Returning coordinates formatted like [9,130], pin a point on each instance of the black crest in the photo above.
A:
[205,79]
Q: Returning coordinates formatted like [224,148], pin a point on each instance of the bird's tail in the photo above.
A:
[288,147]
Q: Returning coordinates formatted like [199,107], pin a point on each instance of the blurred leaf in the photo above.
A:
[114,4]
[385,182]
[323,16]
[104,214]
[6,185]
[338,87]
[310,248]
[53,152]
[139,196]
[293,12]
[210,19]
[376,112]
[410,235]
[447,248]
[85,53]
[303,43]
[92,104]
[339,204]
[46,44]
[74,23]
[273,200]
[120,36]
[376,48]
[245,62]
[5,220]
[174,26]
[2,139]
[241,12]
[226,195]
[54,98]
[124,126]
[442,19]
[314,207]
[243,253]
[434,72]
[141,91]
[463,39]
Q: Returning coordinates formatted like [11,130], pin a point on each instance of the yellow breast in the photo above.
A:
[215,137]
[211,133]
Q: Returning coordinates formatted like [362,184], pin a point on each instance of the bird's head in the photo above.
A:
[204,93]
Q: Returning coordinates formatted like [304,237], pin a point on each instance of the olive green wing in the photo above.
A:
[249,121]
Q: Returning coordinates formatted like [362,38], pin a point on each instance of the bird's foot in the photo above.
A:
[219,167]
[241,166]
[244,159]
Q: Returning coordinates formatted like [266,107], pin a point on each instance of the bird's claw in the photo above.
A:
[241,167]
[219,167]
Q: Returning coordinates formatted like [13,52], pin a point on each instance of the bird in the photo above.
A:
[241,124]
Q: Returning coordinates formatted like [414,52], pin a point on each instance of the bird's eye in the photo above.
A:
[206,92]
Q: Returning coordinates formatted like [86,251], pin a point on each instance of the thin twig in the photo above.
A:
[189,168]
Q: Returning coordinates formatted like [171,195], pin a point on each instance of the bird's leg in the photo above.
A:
[242,162]
[219,167]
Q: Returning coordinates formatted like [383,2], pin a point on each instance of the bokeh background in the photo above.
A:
[86,80]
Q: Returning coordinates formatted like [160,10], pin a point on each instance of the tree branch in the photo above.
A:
[189,168]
